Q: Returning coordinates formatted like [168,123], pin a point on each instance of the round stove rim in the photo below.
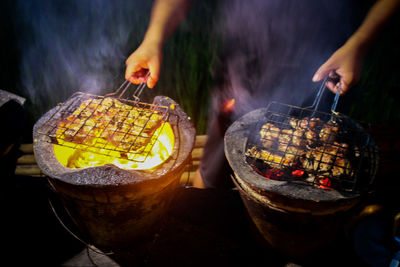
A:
[186,132]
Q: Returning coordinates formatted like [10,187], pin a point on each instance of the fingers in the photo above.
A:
[333,85]
[131,68]
[334,72]
[154,68]
[139,65]
[322,72]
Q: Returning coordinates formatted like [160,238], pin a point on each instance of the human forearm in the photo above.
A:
[377,18]
[347,60]
[165,17]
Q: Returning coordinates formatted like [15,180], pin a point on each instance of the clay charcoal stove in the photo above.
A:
[300,173]
[117,194]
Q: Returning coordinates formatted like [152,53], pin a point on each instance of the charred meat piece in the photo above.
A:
[291,152]
[109,123]
[328,132]
[316,160]
[269,134]
[298,139]
[308,127]
[311,137]
[305,123]
[274,160]
[329,158]
[285,136]
[342,167]
[315,123]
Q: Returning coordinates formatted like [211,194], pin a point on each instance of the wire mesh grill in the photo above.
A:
[105,125]
[306,146]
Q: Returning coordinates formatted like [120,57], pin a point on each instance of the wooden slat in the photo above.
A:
[187,177]
[200,141]
[197,153]
[26,159]
[26,148]
[31,170]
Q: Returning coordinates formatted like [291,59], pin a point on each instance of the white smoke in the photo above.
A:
[74,45]
[272,48]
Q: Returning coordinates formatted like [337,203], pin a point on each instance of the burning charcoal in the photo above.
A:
[298,173]
[323,182]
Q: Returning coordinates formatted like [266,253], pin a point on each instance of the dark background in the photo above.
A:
[189,55]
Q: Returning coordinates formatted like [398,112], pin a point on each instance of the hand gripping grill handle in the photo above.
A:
[321,89]
[125,85]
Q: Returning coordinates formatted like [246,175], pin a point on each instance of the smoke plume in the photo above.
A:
[272,48]
[70,46]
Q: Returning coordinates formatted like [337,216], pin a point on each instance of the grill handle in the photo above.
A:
[320,92]
[125,85]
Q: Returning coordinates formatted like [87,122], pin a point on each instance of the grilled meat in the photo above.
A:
[328,132]
[274,160]
[269,134]
[309,142]
[329,158]
[109,123]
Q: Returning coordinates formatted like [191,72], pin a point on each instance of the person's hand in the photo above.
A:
[146,58]
[345,62]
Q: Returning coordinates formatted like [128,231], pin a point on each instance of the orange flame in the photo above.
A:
[79,157]
[111,123]
[228,105]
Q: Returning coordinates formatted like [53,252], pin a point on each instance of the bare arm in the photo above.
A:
[347,60]
[165,17]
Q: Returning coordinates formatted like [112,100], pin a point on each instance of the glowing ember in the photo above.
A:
[298,173]
[324,183]
[228,105]
[106,131]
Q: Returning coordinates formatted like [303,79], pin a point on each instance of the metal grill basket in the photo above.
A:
[304,145]
[106,124]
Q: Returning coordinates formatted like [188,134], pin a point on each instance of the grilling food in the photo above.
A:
[107,131]
[273,159]
[306,144]
[109,124]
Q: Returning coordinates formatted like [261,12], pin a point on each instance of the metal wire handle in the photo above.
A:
[88,246]
[125,85]
[321,89]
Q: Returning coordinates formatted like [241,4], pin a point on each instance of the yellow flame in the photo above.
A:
[163,139]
